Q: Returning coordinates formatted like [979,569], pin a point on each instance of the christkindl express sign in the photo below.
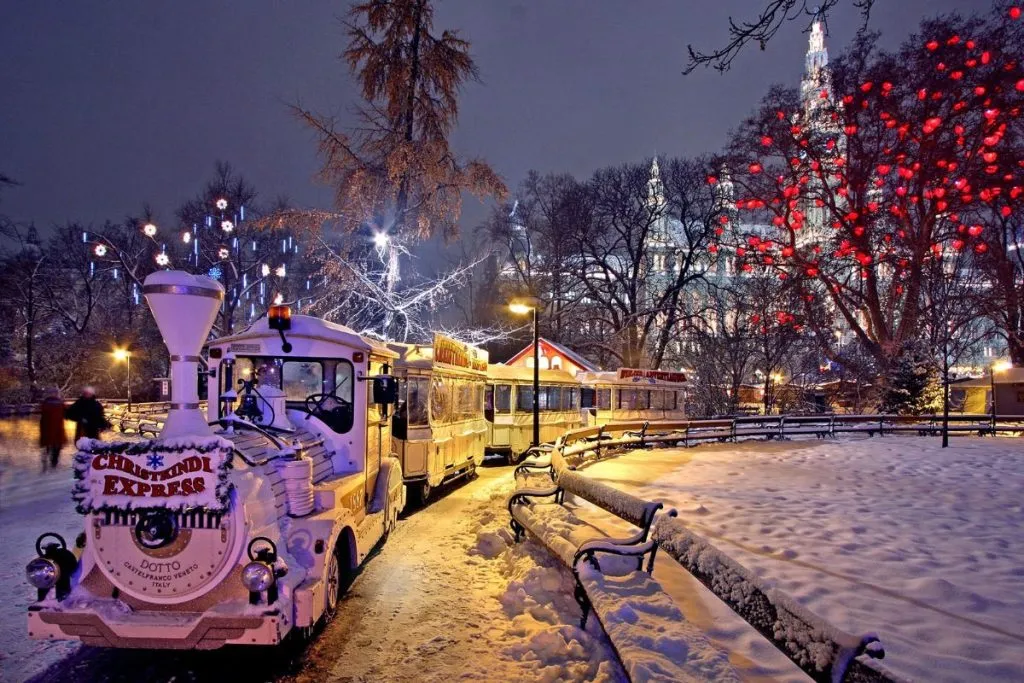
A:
[153,474]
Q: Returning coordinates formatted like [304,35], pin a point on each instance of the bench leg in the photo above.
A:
[517,529]
[583,602]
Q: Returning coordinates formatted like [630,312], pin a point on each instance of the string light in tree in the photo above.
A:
[223,253]
[265,270]
[100,250]
[162,259]
[227,226]
[221,204]
[149,230]
[186,237]
[280,271]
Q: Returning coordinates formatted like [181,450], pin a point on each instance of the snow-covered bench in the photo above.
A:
[614,583]
[823,651]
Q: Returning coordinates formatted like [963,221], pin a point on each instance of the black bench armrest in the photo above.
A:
[588,552]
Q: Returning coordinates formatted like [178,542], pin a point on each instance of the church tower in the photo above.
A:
[816,80]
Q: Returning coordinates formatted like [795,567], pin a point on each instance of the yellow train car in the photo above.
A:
[438,432]
[508,408]
[632,395]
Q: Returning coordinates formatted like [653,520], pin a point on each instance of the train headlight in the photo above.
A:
[52,567]
[42,573]
[257,577]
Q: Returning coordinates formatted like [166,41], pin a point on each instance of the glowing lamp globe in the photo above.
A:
[149,230]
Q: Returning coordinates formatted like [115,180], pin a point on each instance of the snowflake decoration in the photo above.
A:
[155,461]
[100,250]
[163,259]
[216,273]
[222,204]
[227,226]
[186,237]
[223,253]
[149,230]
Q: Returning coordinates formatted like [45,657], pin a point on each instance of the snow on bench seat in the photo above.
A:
[651,636]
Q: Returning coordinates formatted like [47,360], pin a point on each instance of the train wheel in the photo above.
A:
[332,586]
[423,492]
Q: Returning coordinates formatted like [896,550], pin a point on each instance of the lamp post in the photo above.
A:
[523,309]
[997,366]
[124,355]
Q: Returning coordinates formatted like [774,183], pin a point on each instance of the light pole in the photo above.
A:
[124,355]
[523,309]
[997,366]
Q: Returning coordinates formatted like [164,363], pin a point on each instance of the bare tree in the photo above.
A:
[763,28]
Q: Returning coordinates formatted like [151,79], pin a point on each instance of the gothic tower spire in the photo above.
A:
[816,79]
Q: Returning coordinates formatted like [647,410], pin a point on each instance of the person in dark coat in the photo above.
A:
[87,414]
[52,436]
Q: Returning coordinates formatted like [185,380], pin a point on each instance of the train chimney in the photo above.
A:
[185,307]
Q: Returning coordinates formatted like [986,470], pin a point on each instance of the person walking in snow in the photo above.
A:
[87,414]
[52,436]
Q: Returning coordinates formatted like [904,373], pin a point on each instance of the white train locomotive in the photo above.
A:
[240,529]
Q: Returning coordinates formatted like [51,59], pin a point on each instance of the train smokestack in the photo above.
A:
[184,306]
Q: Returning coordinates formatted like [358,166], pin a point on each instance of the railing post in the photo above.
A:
[643,435]
[733,429]
[832,426]
[881,425]
[686,436]
[782,427]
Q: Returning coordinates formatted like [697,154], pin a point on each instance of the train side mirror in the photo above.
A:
[385,390]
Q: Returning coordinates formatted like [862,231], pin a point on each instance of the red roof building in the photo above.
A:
[553,356]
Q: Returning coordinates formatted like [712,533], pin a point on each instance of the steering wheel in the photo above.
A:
[315,403]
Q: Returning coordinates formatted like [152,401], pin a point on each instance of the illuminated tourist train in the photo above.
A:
[438,432]
[633,395]
[509,408]
[241,529]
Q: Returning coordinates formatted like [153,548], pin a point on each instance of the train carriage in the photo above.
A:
[509,408]
[239,529]
[439,431]
[632,395]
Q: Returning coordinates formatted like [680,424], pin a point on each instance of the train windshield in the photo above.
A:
[321,386]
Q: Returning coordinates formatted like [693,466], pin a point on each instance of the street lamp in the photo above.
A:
[997,366]
[125,356]
[519,308]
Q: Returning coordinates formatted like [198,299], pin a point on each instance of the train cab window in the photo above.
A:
[525,402]
[627,399]
[415,399]
[604,399]
[588,397]
[503,398]
[301,379]
[657,400]
[574,399]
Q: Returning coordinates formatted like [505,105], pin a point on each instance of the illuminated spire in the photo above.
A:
[817,78]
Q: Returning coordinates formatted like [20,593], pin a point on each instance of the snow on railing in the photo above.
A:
[822,651]
[580,445]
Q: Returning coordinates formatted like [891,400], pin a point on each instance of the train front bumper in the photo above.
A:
[107,624]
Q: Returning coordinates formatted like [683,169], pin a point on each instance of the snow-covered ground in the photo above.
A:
[895,535]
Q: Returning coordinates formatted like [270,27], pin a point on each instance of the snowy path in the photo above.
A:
[445,598]
[893,535]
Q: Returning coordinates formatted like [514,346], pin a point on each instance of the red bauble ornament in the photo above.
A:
[932,45]
[1014,13]
[766,140]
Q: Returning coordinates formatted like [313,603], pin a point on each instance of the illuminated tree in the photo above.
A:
[888,167]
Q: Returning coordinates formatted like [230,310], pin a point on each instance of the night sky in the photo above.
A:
[107,105]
